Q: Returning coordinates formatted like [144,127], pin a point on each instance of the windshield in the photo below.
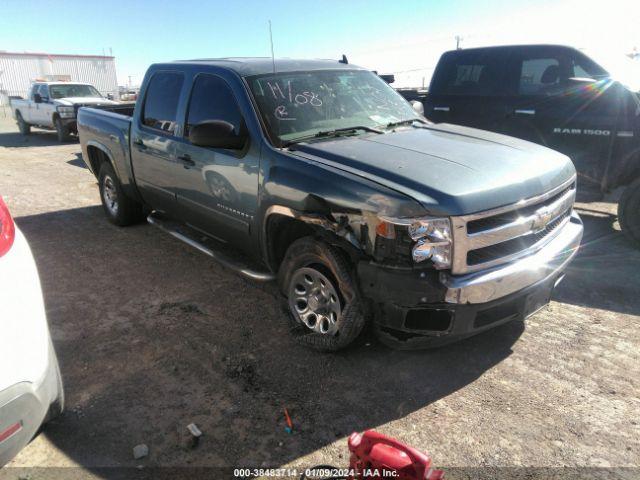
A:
[618,67]
[73,90]
[299,105]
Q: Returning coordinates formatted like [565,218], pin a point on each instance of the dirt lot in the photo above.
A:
[152,336]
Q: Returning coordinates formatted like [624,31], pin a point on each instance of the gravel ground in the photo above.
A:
[152,336]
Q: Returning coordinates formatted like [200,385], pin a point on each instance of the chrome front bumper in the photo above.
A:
[492,284]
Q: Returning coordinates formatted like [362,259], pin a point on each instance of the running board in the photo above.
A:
[217,250]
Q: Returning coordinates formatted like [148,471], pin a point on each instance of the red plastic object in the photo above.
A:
[376,456]
[7,229]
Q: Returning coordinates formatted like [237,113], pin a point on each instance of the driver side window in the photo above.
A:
[539,76]
[44,93]
[212,99]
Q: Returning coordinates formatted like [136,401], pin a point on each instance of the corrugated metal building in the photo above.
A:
[18,70]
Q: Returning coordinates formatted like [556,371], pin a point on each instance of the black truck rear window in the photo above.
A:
[469,73]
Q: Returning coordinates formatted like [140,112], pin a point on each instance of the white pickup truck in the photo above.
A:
[55,105]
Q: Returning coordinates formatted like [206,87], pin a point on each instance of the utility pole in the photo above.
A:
[458,40]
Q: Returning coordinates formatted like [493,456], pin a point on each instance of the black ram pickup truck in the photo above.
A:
[556,96]
[318,175]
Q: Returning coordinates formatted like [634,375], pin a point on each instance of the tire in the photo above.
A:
[61,131]
[24,127]
[118,207]
[331,323]
[629,212]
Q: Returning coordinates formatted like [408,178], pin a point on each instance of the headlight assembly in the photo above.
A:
[66,112]
[432,237]
[433,241]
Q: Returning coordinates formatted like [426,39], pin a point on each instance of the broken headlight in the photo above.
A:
[433,241]
[427,238]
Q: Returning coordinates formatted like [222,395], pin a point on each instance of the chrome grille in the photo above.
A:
[490,238]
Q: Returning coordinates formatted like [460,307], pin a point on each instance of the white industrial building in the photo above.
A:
[18,70]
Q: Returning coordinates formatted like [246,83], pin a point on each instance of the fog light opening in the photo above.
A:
[428,319]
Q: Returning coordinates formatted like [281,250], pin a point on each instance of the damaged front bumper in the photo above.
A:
[426,308]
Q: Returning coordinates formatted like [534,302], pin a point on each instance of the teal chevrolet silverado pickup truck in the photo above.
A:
[318,175]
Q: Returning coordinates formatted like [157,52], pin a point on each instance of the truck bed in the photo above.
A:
[124,109]
[107,128]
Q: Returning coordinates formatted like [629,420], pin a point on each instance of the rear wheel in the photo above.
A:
[120,209]
[325,308]
[61,131]
[24,127]
[629,212]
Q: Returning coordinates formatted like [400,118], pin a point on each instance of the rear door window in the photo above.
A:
[161,101]
[470,73]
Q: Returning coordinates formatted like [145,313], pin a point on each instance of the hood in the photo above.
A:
[70,101]
[450,170]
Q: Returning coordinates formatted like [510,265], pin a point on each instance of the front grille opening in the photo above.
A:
[497,313]
[515,245]
[428,319]
[488,223]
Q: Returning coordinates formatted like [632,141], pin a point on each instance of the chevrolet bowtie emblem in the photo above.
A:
[541,219]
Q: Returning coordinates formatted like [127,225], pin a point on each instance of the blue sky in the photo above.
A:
[400,36]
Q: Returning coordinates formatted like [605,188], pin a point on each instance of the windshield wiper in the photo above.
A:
[337,131]
[332,133]
[410,121]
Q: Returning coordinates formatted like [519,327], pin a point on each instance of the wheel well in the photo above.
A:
[96,158]
[281,232]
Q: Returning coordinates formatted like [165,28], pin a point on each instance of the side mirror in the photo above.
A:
[216,134]
[37,98]
[390,78]
[580,81]
[418,107]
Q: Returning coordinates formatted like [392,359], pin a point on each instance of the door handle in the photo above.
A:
[441,109]
[139,143]
[525,111]
[186,160]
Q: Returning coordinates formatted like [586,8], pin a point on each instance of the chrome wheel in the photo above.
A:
[110,195]
[314,301]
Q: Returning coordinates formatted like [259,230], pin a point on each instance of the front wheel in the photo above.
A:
[24,127]
[629,212]
[120,209]
[61,131]
[325,308]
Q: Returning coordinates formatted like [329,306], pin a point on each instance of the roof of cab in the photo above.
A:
[511,47]
[246,66]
